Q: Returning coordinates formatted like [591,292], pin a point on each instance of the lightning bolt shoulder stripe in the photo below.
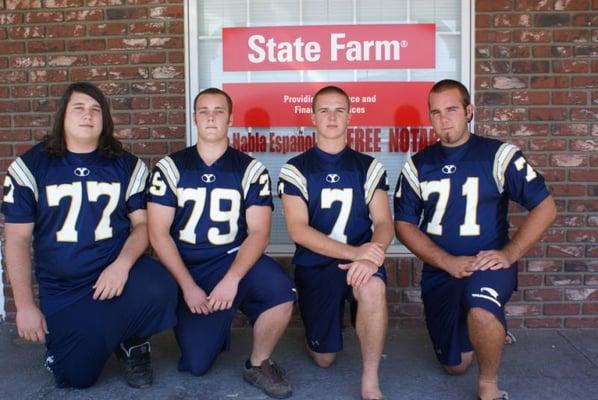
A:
[170,172]
[138,179]
[373,176]
[289,173]
[502,158]
[23,176]
[411,176]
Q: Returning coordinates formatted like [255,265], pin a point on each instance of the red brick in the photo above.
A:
[561,309]
[567,5]
[568,160]
[43,17]
[482,21]
[62,3]
[50,75]
[570,129]
[531,35]
[65,30]
[529,129]
[12,134]
[132,133]
[581,322]
[514,310]
[84,15]
[174,12]
[543,322]
[530,280]
[592,251]
[121,118]
[565,251]
[108,59]
[114,88]
[569,97]
[86,45]
[482,36]
[585,19]
[549,82]
[27,62]
[88,74]
[543,294]
[512,20]
[67,61]
[176,117]
[149,148]
[507,51]
[126,44]
[12,47]
[25,32]
[571,35]
[552,51]
[44,105]
[580,114]
[152,118]
[100,3]
[530,98]
[584,82]
[168,72]
[570,66]
[552,20]
[178,57]
[110,29]
[176,27]
[583,205]
[533,5]
[584,145]
[14,106]
[547,114]
[166,43]
[117,73]
[178,132]
[544,265]
[586,294]
[46,46]
[31,120]
[590,308]
[29,91]
[148,58]
[148,87]
[126,13]
[144,28]
[568,189]
[510,114]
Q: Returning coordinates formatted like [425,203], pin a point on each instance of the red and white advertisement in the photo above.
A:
[315,47]
[289,103]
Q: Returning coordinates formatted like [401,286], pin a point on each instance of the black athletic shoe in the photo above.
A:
[137,365]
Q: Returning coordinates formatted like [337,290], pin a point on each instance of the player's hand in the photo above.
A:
[111,282]
[492,260]
[359,272]
[460,267]
[31,324]
[223,295]
[371,251]
[196,300]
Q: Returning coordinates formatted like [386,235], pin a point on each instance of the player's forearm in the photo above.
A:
[135,245]
[320,243]
[251,250]
[421,245]
[170,257]
[18,266]
[532,229]
[383,233]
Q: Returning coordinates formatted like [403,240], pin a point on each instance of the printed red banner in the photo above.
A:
[311,47]
[289,104]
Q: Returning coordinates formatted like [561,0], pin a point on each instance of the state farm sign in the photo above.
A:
[314,47]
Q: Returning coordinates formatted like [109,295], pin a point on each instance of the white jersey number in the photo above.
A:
[345,197]
[68,231]
[470,190]
[198,197]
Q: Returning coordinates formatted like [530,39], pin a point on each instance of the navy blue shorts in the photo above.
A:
[202,337]
[447,301]
[322,294]
[84,334]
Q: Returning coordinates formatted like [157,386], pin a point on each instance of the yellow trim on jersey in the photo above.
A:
[373,176]
[251,175]
[502,158]
[170,172]
[20,172]
[411,176]
[138,180]
[292,175]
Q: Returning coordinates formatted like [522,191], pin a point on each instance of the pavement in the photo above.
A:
[543,364]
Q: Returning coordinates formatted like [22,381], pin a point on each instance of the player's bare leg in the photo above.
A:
[372,319]
[487,336]
[267,331]
[322,360]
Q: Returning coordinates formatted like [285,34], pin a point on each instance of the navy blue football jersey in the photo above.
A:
[337,189]
[459,196]
[79,204]
[210,201]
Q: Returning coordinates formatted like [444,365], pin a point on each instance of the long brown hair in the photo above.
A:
[108,145]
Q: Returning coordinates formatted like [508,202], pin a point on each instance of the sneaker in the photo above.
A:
[270,378]
[137,365]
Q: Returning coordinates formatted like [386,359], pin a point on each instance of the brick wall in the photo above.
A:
[536,86]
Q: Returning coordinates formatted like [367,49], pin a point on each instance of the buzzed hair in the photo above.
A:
[221,92]
[447,84]
[330,89]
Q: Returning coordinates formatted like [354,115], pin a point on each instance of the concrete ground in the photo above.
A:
[543,364]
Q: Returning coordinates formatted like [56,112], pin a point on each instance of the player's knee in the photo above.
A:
[323,360]
[481,317]
[372,294]
[456,370]
[199,368]
[82,381]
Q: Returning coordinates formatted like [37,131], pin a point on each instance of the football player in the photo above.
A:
[337,213]
[81,199]
[210,210]
[451,204]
